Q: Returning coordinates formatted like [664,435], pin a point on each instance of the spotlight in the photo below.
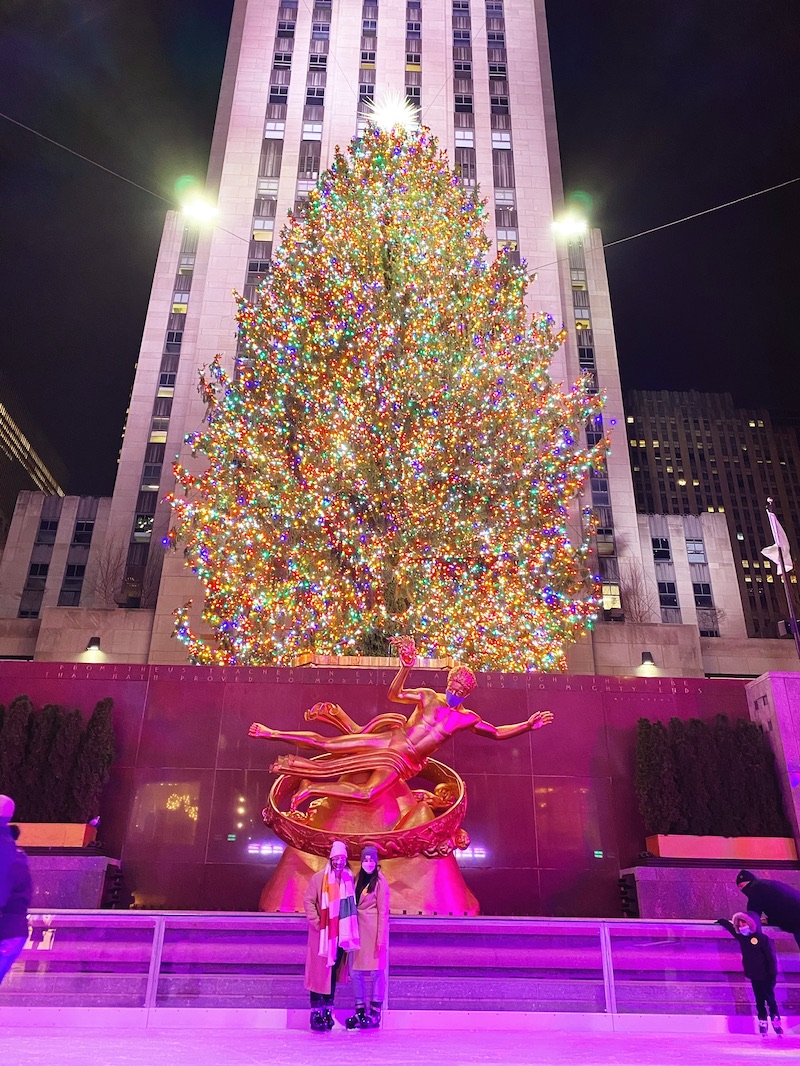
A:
[94,644]
[569,227]
[647,659]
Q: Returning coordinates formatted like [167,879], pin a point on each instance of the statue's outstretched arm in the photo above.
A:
[504,732]
[407,651]
[301,738]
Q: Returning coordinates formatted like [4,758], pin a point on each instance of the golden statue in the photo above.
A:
[360,778]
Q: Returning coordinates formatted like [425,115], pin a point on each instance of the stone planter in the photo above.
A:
[744,849]
[55,834]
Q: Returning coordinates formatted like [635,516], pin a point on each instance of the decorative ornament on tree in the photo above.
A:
[392,455]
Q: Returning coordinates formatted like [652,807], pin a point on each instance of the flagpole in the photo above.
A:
[786,589]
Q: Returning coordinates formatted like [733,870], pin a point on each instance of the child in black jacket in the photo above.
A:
[760,965]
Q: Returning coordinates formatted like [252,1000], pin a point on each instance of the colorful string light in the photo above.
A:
[393,455]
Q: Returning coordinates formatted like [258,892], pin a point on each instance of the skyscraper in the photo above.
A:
[298,80]
[695,452]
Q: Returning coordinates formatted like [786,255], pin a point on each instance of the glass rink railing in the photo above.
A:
[149,959]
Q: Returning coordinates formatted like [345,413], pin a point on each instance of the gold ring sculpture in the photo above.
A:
[435,838]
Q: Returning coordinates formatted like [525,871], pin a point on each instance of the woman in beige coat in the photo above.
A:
[368,963]
[330,907]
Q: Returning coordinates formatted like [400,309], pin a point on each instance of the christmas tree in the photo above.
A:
[392,455]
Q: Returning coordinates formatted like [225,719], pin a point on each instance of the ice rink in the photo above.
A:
[204,1047]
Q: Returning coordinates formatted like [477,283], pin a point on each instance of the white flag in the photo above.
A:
[780,547]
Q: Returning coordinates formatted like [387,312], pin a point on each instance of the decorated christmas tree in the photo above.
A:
[392,455]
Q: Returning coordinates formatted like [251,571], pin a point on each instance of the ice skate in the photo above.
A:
[318,1024]
[358,1020]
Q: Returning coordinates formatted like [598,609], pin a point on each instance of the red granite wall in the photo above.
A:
[552,815]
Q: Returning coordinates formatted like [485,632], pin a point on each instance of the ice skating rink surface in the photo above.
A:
[104,1046]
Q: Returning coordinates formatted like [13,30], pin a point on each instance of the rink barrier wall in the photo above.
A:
[163,969]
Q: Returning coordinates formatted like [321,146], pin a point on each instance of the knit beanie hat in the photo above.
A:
[338,848]
[744,875]
[369,851]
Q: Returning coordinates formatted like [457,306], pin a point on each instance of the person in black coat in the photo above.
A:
[15,891]
[760,965]
[779,902]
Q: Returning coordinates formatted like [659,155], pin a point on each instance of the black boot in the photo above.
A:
[358,1020]
[374,1017]
[762,1026]
[318,1022]
[328,1018]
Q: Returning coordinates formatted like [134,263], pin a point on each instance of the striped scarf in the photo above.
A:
[338,927]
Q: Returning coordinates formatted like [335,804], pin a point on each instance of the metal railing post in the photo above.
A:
[155,962]
[608,969]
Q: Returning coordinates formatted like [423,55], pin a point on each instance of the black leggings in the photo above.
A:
[764,991]
[325,999]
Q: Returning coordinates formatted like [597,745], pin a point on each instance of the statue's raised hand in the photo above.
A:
[406,649]
[540,718]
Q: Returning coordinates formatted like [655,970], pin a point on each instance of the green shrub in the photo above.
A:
[53,768]
[708,780]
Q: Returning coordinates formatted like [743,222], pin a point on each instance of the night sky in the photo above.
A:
[664,110]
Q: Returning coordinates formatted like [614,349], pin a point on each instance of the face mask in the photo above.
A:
[452,699]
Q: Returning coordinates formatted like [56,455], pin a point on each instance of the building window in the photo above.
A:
[83,530]
[605,541]
[661,552]
[460,37]
[278,94]
[142,527]
[463,103]
[282,60]
[600,493]
[320,31]
[612,601]
[73,576]
[503,169]
[465,165]
[695,550]
[315,96]
[667,594]
[702,594]
[30,604]
[37,575]
[308,166]
[151,475]
[47,531]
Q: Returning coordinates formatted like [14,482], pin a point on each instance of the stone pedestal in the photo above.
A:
[701,892]
[69,882]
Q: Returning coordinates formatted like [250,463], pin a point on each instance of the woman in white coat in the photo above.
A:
[368,962]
